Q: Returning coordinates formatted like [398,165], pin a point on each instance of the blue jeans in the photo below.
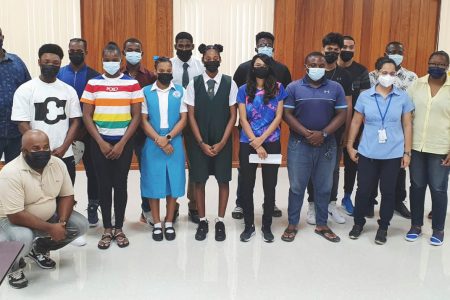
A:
[305,161]
[426,169]
[76,226]
[10,147]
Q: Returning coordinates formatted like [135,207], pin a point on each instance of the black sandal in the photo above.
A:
[157,234]
[169,233]
[105,241]
[325,233]
[121,239]
[289,234]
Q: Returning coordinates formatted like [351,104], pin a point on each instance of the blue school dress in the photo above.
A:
[161,174]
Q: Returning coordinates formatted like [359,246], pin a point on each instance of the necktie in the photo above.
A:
[185,78]
[211,84]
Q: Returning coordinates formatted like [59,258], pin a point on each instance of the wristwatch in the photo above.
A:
[324,134]
[407,153]
[169,137]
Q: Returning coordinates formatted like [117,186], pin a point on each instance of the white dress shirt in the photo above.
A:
[190,92]
[195,68]
[163,100]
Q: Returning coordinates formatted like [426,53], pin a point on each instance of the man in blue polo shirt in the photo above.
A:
[77,74]
[13,73]
[314,109]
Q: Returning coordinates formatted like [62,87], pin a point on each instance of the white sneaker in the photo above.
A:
[79,242]
[311,214]
[148,217]
[333,211]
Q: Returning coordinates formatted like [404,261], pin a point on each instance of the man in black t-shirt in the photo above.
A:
[264,45]
[360,82]
[332,44]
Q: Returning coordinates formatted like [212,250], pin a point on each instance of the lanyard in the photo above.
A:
[379,110]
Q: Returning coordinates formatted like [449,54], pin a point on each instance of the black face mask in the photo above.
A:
[331,57]
[165,78]
[184,55]
[261,72]
[346,55]
[37,160]
[49,72]
[212,66]
[76,58]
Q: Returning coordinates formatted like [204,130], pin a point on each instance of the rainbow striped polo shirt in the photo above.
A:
[112,98]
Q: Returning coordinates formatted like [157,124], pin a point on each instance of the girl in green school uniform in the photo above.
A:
[211,101]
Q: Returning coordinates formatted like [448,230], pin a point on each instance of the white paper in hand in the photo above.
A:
[274,159]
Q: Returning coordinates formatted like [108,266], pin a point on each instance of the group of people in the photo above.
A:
[381,122]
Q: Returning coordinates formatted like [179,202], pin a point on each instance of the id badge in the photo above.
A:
[382,137]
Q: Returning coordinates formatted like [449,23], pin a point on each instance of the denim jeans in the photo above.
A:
[305,162]
[76,226]
[369,172]
[426,169]
[334,190]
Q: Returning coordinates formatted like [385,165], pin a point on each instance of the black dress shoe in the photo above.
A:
[403,210]
[202,231]
[193,216]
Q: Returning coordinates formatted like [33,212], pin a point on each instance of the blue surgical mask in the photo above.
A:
[266,50]
[316,73]
[397,58]
[133,57]
[111,67]
[436,72]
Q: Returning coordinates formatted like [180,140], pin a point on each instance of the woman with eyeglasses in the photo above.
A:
[384,148]
[430,160]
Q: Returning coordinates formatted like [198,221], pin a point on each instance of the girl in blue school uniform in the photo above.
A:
[164,115]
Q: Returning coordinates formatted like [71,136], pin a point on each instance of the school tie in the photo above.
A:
[185,78]
[211,84]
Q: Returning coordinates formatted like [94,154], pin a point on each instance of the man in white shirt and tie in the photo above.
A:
[184,68]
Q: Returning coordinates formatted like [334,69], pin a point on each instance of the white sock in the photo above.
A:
[219,219]
[157,225]
[168,224]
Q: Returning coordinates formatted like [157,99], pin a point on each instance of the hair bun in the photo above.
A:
[218,47]
[202,48]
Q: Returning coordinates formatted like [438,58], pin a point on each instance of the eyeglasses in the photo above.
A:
[444,66]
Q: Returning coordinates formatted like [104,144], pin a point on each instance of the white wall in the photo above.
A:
[232,23]
[28,24]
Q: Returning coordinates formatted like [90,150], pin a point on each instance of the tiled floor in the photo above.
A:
[308,268]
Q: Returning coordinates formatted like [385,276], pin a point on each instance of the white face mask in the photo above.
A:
[111,67]
[386,80]
[316,73]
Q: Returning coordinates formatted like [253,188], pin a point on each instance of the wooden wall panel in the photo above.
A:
[151,21]
[299,26]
